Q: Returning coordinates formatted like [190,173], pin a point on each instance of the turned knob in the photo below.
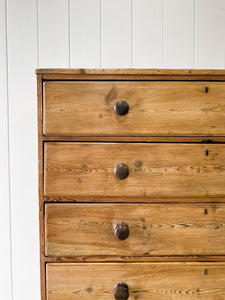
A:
[121,108]
[121,231]
[121,171]
[121,291]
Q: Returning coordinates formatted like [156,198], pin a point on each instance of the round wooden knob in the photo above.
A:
[121,108]
[121,171]
[121,231]
[121,291]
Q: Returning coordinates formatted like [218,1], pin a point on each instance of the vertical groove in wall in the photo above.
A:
[163,35]
[69,32]
[194,50]
[100,33]
[9,177]
[37,35]
[132,33]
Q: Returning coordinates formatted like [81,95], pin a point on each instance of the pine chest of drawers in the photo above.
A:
[132,184]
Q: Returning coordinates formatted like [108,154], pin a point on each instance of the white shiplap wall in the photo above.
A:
[78,33]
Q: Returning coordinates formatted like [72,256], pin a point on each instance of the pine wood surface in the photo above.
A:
[131,259]
[147,139]
[156,170]
[155,108]
[95,199]
[172,200]
[132,74]
[155,229]
[155,281]
[190,72]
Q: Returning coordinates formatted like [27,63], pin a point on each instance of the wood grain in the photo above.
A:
[155,229]
[165,232]
[130,77]
[156,108]
[136,71]
[154,139]
[130,259]
[71,199]
[155,281]
[156,170]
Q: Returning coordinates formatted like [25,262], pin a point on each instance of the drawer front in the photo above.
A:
[75,108]
[155,170]
[135,230]
[142,281]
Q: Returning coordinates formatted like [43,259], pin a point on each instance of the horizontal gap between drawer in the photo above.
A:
[74,140]
[135,259]
[133,80]
[130,203]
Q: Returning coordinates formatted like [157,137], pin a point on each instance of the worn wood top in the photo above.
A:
[134,71]
[132,74]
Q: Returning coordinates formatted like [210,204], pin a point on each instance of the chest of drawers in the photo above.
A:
[132,184]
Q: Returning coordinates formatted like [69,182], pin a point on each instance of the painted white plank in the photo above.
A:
[116,33]
[147,33]
[5,273]
[210,34]
[22,61]
[53,20]
[179,34]
[85,33]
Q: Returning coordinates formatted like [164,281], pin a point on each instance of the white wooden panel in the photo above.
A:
[210,34]
[179,34]
[85,33]
[22,61]
[53,20]
[5,273]
[116,33]
[147,33]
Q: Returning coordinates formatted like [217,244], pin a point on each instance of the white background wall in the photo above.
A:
[74,34]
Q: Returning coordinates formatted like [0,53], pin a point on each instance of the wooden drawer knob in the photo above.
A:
[121,291]
[121,231]
[121,171]
[121,108]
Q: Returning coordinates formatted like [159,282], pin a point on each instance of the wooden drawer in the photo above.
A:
[132,184]
[86,108]
[135,230]
[145,281]
[155,169]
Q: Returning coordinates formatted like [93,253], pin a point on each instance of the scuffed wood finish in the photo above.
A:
[76,108]
[172,203]
[155,281]
[116,258]
[131,74]
[155,229]
[155,170]
[153,139]
[139,72]
[131,199]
